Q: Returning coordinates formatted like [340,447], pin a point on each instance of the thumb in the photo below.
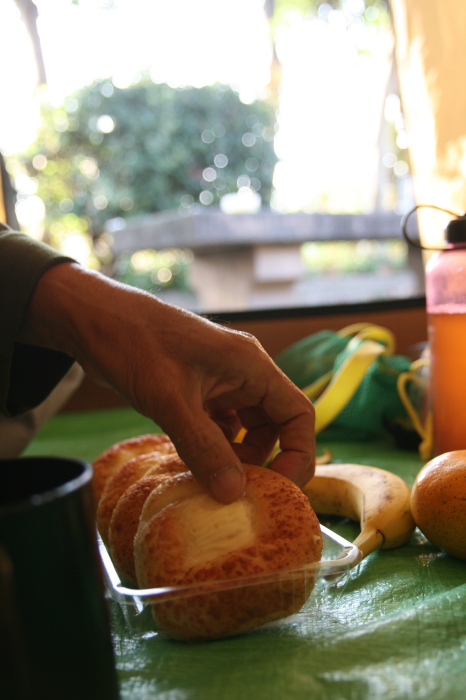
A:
[207,453]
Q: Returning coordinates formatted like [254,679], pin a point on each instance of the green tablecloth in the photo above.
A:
[395,629]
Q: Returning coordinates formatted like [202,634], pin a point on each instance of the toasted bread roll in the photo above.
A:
[125,518]
[122,478]
[116,455]
[185,538]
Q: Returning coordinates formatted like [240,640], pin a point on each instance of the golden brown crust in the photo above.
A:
[122,478]
[281,532]
[116,455]
[125,518]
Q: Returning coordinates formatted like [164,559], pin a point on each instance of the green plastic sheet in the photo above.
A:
[394,629]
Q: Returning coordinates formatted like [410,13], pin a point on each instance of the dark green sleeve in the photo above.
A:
[27,373]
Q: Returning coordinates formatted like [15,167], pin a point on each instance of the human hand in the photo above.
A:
[198,381]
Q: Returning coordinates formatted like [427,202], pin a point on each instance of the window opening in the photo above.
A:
[176,175]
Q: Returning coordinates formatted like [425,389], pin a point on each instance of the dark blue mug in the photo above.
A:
[55,640]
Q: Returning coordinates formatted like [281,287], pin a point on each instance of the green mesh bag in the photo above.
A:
[351,377]
[309,359]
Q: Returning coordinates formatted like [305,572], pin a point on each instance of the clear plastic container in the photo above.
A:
[446,314]
[339,556]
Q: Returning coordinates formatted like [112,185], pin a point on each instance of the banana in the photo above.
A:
[376,498]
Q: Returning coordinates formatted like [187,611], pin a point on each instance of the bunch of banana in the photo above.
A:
[376,498]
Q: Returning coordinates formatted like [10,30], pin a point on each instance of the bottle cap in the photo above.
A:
[455,232]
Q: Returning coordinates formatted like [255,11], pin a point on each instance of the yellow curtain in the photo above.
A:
[430,49]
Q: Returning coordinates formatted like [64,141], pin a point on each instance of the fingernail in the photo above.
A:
[227,484]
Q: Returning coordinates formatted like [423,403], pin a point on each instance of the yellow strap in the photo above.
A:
[362,331]
[426,448]
[240,437]
[425,431]
[402,380]
[312,391]
[353,329]
[345,383]
[377,333]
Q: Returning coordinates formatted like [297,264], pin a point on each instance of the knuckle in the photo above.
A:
[251,341]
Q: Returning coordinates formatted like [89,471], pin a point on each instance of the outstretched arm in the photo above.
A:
[198,381]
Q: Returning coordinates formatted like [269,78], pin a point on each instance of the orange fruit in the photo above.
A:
[438,502]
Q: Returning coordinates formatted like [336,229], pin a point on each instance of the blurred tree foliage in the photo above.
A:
[282,9]
[110,152]
[153,270]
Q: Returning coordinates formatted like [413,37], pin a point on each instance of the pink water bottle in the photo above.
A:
[446,319]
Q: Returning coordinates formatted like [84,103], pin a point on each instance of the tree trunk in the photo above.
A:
[275,65]
[29,14]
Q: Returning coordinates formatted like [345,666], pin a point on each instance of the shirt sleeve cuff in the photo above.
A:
[27,373]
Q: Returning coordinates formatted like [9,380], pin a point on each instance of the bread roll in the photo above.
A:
[116,455]
[125,517]
[122,478]
[185,538]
